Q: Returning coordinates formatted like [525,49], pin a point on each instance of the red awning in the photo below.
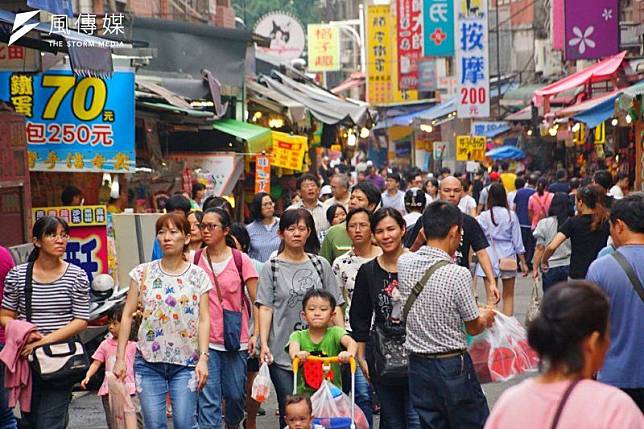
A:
[356,79]
[601,71]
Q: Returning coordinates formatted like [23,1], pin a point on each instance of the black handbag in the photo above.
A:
[62,363]
[388,357]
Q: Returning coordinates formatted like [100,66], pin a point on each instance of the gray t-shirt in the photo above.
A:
[285,295]
[544,233]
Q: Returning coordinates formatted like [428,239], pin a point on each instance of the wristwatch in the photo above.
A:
[204,354]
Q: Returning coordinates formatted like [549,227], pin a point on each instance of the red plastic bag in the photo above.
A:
[262,385]
[502,351]
[121,405]
[330,402]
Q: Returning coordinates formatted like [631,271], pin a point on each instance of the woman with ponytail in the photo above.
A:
[570,335]
[588,232]
[60,310]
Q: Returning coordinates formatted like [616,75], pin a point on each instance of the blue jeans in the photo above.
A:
[363,391]
[554,275]
[446,392]
[396,408]
[7,419]
[49,404]
[283,383]
[154,381]
[227,378]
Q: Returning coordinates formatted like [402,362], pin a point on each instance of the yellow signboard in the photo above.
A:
[470,148]
[600,133]
[324,48]
[74,215]
[288,151]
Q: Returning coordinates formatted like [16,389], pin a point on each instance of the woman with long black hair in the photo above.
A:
[59,309]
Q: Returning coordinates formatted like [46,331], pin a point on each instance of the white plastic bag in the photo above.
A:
[262,384]
[502,351]
[329,402]
[121,405]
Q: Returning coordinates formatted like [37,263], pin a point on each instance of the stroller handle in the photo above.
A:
[333,359]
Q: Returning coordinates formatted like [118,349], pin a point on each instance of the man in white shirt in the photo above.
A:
[620,189]
[393,197]
[310,193]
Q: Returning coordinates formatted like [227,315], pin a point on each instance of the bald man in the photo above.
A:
[473,236]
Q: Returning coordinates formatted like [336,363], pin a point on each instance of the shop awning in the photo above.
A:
[491,133]
[506,152]
[598,113]
[258,138]
[586,105]
[519,96]
[598,72]
[273,100]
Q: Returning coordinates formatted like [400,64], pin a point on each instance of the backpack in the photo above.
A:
[237,258]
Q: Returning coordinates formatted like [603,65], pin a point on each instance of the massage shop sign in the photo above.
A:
[87,246]
[74,123]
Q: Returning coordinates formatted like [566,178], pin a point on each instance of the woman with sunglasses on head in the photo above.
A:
[59,311]
[588,232]
[283,282]
[376,289]
[172,344]
[233,276]
[264,238]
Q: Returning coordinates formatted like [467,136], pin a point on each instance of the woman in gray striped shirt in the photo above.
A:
[264,239]
[60,310]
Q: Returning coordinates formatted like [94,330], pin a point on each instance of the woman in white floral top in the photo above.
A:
[172,346]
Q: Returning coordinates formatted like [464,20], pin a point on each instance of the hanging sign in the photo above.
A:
[410,42]
[438,28]
[440,150]
[83,124]
[472,60]
[323,47]
[591,29]
[470,148]
[87,245]
[379,55]
[286,34]
[262,174]
[288,151]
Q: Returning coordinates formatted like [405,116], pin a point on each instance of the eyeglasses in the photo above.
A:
[54,237]
[209,226]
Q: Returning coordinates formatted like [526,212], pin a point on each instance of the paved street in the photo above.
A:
[87,412]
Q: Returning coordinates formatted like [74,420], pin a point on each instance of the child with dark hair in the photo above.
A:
[336,214]
[299,413]
[320,339]
[106,354]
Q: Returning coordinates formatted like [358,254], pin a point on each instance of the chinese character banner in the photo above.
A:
[288,150]
[83,124]
[438,23]
[410,42]
[472,59]
[591,29]
[379,54]
[323,47]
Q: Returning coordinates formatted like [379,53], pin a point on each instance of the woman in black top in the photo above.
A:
[376,289]
[588,232]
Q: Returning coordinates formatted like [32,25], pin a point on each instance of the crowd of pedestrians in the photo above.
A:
[381,267]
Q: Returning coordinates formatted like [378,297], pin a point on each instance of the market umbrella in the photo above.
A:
[505,152]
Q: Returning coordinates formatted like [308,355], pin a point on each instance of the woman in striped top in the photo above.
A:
[60,310]
[264,239]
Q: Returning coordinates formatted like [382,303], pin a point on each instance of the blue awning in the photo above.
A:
[506,152]
[434,112]
[493,132]
[598,113]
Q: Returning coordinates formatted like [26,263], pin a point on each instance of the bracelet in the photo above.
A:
[204,354]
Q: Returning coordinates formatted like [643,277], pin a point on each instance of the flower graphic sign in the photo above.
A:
[592,29]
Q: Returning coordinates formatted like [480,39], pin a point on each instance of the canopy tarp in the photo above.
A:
[493,132]
[598,72]
[258,138]
[586,105]
[506,152]
[429,114]
[598,113]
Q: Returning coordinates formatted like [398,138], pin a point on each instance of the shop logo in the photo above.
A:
[20,28]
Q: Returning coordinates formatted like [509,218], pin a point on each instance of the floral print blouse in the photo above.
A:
[168,331]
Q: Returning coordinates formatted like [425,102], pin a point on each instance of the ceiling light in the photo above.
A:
[529,132]
[364,132]
[629,119]
[426,128]
[614,122]
[576,127]
[351,139]
[552,131]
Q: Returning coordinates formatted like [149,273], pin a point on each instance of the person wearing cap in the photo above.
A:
[325,193]
[393,197]
[494,177]
[415,204]
[340,190]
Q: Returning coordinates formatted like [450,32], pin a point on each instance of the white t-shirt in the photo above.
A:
[466,204]
[616,192]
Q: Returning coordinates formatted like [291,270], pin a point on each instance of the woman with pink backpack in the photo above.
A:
[539,202]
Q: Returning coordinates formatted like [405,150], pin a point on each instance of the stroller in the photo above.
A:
[333,409]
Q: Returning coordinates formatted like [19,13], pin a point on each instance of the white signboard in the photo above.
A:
[286,34]
[472,59]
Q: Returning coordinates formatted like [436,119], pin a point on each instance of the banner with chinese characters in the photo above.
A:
[83,124]
[438,28]
[472,60]
[262,174]
[427,76]
[379,54]
[288,151]
[591,29]
[19,58]
[410,42]
[488,129]
[323,47]
[470,148]
[87,246]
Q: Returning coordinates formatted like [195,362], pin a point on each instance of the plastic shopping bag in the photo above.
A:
[332,408]
[121,405]
[502,351]
[262,384]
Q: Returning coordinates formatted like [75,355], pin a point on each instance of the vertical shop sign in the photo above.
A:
[262,174]
[410,42]
[87,245]
[472,60]
[323,48]
[379,55]
[438,28]
[427,77]
[591,29]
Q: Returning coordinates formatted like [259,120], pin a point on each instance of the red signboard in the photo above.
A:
[410,41]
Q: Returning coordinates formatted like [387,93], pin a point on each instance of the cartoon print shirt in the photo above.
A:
[284,297]
[168,331]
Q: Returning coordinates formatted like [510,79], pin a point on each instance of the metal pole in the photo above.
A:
[498,63]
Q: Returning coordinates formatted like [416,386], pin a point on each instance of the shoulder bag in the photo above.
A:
[562,404]
[534,305]
[505,264]
[62,363]
[630,273]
